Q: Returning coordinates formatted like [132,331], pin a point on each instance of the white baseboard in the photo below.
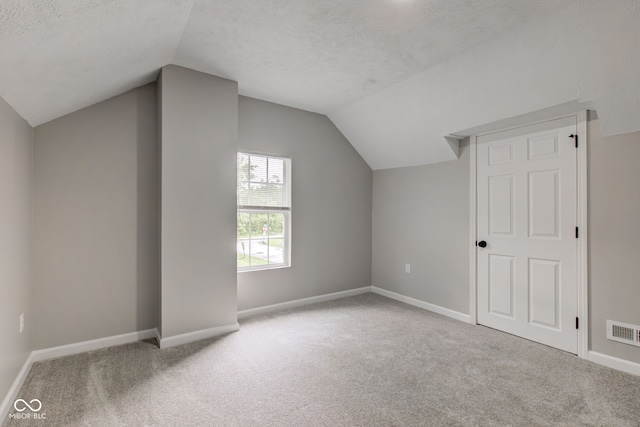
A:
[82,347]
[67,350]
[301,302]
[12,394]
[198,335]
[421,304]
[614,362]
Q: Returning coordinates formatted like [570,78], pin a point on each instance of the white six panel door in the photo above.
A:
[526,213]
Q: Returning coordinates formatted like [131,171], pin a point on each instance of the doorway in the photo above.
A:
[527,189]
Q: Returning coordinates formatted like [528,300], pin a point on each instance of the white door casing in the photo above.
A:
[527,214]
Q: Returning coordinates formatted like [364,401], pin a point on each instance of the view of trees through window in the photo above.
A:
[263,209]
[260,238]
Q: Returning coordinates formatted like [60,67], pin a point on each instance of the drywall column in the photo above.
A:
[16,184]
[199,127]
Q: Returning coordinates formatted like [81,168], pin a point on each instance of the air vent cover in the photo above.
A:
[623,332]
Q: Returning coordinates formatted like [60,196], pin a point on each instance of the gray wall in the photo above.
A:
[16,171]
[199,122]
[95,221]
[331,205]
[421,217]
[614,237]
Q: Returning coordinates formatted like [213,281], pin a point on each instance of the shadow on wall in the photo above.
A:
[147,197]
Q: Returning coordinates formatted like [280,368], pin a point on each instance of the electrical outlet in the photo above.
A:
[407,268]
[21,322]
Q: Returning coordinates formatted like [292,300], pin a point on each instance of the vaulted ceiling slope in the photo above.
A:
[395,76]
[585,56]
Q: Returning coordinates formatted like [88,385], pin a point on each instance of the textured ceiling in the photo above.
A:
[57,56]
[395,76]
[320,55]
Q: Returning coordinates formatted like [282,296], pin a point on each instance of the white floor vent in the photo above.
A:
[623,332]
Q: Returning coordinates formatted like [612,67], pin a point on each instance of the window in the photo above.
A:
[264,211]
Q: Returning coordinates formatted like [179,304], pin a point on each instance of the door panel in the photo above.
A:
[500,154]
[543,204]
[543,147]
[501,205]
[544,295]
[501,285]
[526,207]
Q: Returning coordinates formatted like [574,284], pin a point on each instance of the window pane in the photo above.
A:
[258,168]
[259,224]
[243,169]
[276,195]
[276,170]
[262,181]
[258,261]
[243,194]
[243,253]
[244,224]
[276,251]
[259,195]
[276,225]
[259,252]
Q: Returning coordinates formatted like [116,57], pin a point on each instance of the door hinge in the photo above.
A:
[575,137]
[476,243]
[577,234]
[577,322]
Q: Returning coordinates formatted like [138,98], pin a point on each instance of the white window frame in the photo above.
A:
[286,211]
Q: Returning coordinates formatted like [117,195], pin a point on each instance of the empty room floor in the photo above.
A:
[359,361]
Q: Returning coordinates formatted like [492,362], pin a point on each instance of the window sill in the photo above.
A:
[253,270]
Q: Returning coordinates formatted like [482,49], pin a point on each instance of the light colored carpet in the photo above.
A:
[359,361]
